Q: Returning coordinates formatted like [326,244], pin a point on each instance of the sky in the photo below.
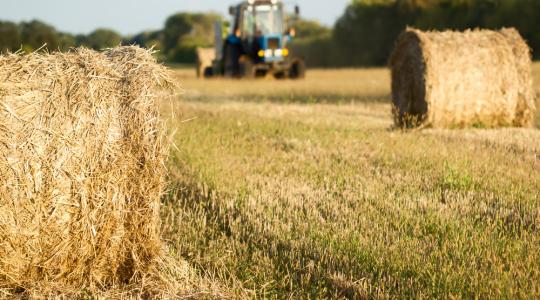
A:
[133,16]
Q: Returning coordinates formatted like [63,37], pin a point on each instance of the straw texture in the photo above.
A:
[82,169]
[459,79]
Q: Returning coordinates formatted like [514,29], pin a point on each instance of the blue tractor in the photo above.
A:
[257,44]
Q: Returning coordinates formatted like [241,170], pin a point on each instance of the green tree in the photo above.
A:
[522,14]
[306,29]
[101,39]
[147,39]
[36,34]
[184,32]
[67,41]
[10,37]
[365,34]
[313,42]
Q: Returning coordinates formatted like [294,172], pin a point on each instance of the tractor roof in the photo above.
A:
[263,1]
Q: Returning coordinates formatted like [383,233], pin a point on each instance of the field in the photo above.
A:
[286,189]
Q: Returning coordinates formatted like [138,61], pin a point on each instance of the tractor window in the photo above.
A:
[268,19]
[249,22]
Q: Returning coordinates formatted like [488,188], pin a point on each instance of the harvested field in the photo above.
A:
[344,86]
[304,190]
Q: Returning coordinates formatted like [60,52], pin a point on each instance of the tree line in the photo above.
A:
[30,36]
[176,42]
[363,36]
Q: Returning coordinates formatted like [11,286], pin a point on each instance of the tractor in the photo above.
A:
[256,45]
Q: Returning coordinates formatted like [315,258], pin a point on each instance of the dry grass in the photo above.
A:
[276,196]
[479,78]
[344,86]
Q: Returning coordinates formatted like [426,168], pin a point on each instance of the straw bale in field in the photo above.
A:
[459,79]
[205,56]
[82,166]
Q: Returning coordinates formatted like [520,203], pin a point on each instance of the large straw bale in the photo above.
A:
[459,79]
[205,57]
[82,169]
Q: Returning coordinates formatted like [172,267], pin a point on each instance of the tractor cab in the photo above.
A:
[260,28]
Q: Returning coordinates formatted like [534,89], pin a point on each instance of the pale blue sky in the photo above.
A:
[132,16]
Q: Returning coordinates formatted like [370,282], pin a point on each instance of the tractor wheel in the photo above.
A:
[247,68]
[298,69]
[232,57]
[208,72]
[280,75]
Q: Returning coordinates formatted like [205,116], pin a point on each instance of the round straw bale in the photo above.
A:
[205,56]
[458,79]
[82,168]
